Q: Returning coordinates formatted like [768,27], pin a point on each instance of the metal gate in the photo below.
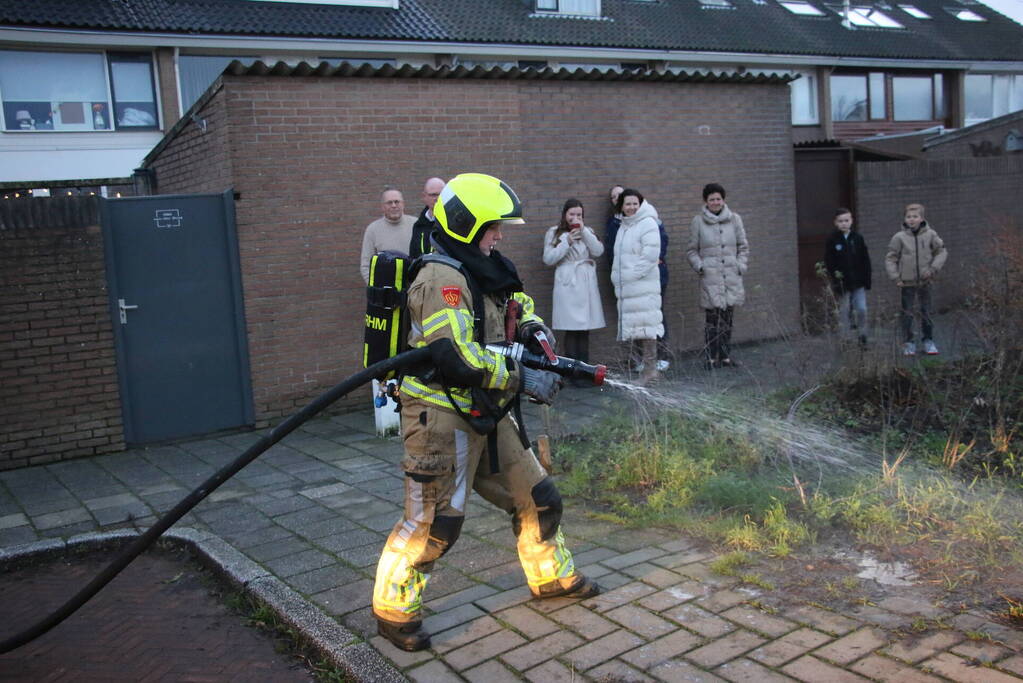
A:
[175,293]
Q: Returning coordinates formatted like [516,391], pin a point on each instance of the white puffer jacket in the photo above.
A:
[635,277]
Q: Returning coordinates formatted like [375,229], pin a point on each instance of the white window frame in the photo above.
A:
[915,12]
[568,8]
[801,8]
[804,90]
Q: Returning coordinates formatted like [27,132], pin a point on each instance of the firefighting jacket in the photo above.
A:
[441,306]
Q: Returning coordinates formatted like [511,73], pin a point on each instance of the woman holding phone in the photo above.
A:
[571,247]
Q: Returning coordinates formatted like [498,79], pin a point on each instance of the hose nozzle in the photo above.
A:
[566,367]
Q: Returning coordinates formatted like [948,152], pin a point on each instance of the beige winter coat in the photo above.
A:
[576,302]
[913,260]
[719,252]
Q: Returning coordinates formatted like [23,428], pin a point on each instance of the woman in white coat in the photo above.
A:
[571,247]
[636,280]
[719,253]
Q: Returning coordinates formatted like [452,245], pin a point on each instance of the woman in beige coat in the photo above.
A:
[719,252]
[571,248]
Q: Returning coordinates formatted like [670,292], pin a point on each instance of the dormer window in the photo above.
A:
[914,11]
[715,4]
[572,8]
[866,16]
[964,14]
[801,8]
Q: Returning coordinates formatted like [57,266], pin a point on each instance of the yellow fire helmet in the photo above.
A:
[472,200]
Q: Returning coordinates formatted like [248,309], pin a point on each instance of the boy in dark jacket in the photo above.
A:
[848,265]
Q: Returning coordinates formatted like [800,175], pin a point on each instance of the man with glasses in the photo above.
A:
[425,223]
[390,232]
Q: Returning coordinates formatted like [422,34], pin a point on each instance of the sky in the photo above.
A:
[1010,8]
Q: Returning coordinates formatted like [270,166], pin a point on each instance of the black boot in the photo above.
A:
[410,637]
[581,588]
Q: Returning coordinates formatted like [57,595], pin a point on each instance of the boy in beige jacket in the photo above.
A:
[915,255]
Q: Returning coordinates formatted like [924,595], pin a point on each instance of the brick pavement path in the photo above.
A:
[157,621]
[315,511]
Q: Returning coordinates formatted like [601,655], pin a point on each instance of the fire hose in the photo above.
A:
[407,361]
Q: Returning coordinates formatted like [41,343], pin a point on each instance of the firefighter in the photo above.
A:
[457,434]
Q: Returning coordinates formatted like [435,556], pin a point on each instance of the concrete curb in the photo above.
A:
[335,643]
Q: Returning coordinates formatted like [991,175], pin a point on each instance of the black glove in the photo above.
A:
[527,339]
[540,384]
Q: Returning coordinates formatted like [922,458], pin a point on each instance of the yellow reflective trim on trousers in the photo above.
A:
[411,386]
[405,597]
[563,565]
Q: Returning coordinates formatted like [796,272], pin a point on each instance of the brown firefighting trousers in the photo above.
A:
[444,459]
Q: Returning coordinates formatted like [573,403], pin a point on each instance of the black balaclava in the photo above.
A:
[493,274]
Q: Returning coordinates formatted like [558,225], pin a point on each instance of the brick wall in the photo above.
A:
[58,377]
[968,201]
[310,156]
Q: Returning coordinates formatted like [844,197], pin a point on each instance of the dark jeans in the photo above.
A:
[575,344]
[922,295]
[717,333]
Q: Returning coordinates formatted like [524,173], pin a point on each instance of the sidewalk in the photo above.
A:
[314,511]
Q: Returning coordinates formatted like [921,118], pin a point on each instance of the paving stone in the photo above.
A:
[121,513]
[761,622]
[351,538]
[887,670]
[442,621]
[820,619]
[348,531]
[635,557]
[653,575]
[718,601]
[277,549]
[674,595]
[490,672]
[347,598]
[592,556]
[602,649]
[788,647]
[619,596]
[812,670]
[548,647]
[583,621]
[701,571]
[891,621]
[433,672]
[459,597]
[1013,664]
[914,607]
[677,546]
[851,647]
[916,648]
[463,634]
[641,621]
[671,645]
[483,649]
[54,520]
[962,671]
[616,671]
[334,489]
[527,622]
[399,657]
[684,557]
[699,620]
[505,599]
[744,670]
[551,672]
[110,501]
[675,670]
[298,563]
[727,647]
[363,556]
[981,650]
[13,520]
[324,578]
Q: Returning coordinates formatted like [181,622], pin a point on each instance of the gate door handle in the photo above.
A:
[123,308]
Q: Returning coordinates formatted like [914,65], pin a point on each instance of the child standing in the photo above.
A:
[915,255]
[848,264]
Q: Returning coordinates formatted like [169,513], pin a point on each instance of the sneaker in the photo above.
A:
[929,348]
[663,365]
[909,349]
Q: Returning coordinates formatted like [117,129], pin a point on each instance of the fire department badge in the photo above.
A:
[452,295]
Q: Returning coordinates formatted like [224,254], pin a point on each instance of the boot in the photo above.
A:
[410,637]
[581,588]
[650,372]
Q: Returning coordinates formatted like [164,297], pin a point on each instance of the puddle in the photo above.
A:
[885,573]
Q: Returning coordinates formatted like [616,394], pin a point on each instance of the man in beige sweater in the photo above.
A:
[390,232]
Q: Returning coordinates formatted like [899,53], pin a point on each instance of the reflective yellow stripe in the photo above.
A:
[558,565]
[412,386]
